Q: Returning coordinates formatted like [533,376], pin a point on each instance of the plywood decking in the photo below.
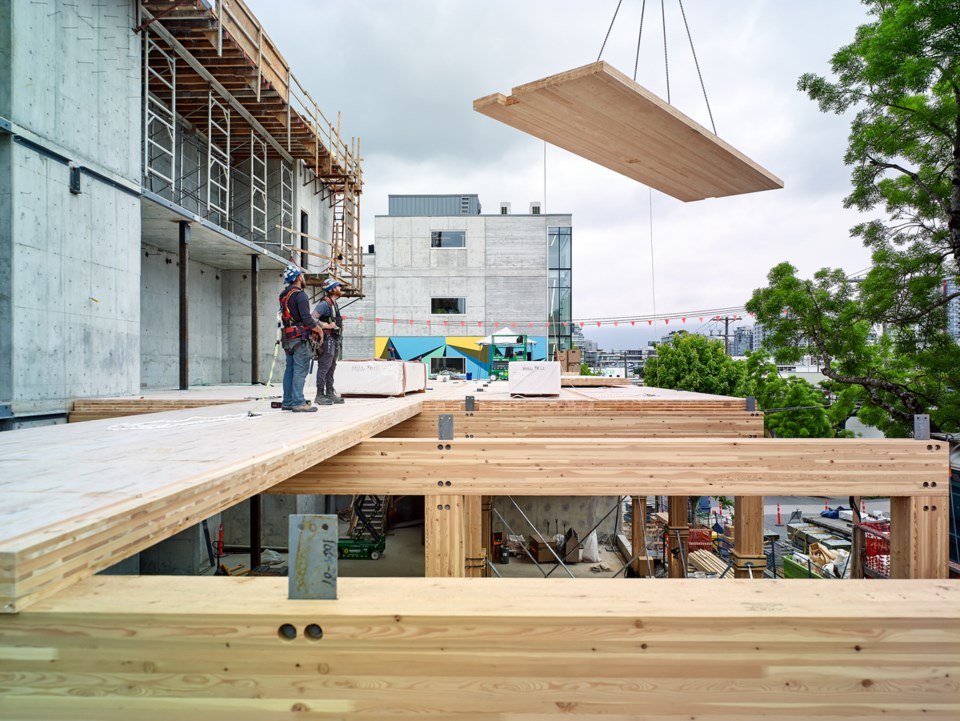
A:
[599,113]
[506,649]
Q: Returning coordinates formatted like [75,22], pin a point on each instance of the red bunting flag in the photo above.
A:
[666,321]
[360,318]
[378,320]
[581,324]
[410,321]
[615,323]
[649,322]
[564,324]
[683,320]
[598,324]
[462,323]
[496,325]
[531,325]
[394,321]
[446,322]
[716,317]
[701,319]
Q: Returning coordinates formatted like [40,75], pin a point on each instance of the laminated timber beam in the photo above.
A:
[613,424]
[610,467]
[520,649]
[600,114]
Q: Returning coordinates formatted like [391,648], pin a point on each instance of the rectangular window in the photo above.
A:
[559,245]
[449,364]
[448,306]
[448,239]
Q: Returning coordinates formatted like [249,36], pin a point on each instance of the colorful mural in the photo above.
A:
[476,358]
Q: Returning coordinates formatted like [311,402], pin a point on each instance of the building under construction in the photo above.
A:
[159,164]
[135,241]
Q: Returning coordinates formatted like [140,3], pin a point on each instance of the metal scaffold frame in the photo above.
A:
[258,187]
[159,120]
[218,158]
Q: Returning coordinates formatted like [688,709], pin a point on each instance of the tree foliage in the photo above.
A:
[695,363]
[796,408]
[901,76]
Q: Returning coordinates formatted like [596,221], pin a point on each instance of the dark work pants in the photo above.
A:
[327,365]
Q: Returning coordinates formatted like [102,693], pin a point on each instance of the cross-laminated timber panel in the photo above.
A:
[76,499]
[497,650]
[599,113]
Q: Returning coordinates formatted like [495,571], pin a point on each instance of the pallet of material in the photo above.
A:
[534,378]
[600,114]
[380,378]
[708,563]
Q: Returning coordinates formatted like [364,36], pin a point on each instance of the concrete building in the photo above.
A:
[742,340]
[156,173]
[757,337]
[444,275]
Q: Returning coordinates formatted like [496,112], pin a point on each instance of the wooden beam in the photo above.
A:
[443,537]
[160,648]
[638,537]
[726,424]
[475,553]
[919,535]
[678,531]
[612,467]
[599,113]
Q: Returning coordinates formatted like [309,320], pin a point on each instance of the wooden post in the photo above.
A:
[919,546]
[638,535]
[486,532]
[857,540]
[677,510]
[443,536]
[748,537]
[473,550]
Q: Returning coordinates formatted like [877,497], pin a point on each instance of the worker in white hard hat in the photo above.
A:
[298,325]
[328,315]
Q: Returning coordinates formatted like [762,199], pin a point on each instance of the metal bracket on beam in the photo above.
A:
[445,427]
[921,427]
[751,404]
[469,403]
[312,564]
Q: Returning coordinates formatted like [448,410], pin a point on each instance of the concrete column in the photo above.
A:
[254,319]
[184,306]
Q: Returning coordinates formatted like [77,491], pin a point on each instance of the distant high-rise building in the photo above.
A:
[742,340]
[953,308]
[757,336]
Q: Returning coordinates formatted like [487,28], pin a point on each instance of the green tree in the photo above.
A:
[695,363]
[901,75]
[798,408]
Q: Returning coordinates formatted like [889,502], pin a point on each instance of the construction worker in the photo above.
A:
[297,326]
[328,314]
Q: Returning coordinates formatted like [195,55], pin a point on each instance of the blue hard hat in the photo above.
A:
[291,274]
[329,284]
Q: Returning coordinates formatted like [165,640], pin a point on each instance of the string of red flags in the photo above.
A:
[464,326]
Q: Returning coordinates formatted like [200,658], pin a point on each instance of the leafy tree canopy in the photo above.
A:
[695,363]
[901,76]
[798,408]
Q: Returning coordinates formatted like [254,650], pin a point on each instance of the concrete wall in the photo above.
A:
[358,337]
[160,357]
[553,515]
[71,295]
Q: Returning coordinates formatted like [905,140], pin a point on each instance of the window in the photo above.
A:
[448,306]
[448,239]
[560,255]
[447,363]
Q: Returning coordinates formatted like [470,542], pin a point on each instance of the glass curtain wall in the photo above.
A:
[560,288]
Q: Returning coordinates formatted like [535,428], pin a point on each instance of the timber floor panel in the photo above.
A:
[600,114]
[504,649]
[76,498]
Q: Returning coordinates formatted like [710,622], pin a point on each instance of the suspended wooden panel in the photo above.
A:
[599,113]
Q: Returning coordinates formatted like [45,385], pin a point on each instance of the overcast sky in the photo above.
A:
[405,74]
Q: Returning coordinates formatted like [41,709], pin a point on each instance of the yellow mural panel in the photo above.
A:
[465,342]
[380,346]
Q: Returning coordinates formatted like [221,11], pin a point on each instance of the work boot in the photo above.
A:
[334,398]
[305,408]
[322,400]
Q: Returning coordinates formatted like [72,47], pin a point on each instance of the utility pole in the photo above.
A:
[726,331]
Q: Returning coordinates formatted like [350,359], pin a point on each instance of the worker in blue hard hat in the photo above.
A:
[328,315]
[297,328]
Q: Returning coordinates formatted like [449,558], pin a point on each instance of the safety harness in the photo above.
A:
[291,329]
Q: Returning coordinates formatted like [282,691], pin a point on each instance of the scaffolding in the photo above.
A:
[217,63]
